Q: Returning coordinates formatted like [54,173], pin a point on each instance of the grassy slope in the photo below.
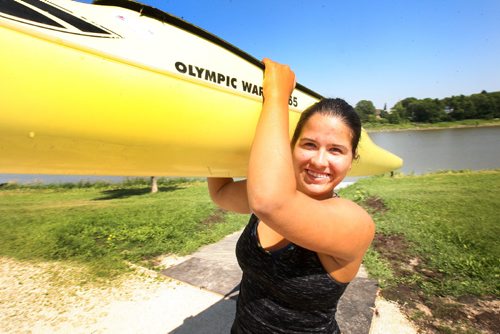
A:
[437,238]
[102,226]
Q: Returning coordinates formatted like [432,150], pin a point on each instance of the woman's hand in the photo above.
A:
[279,81]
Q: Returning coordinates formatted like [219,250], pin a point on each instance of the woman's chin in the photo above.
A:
[318,190]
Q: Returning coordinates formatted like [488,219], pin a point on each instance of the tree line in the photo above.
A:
[476,106]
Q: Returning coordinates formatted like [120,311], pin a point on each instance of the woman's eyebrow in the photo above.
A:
[343,148]
[333,144]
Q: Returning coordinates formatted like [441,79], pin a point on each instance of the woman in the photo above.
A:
[303,243]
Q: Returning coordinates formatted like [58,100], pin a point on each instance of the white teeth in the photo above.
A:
[318,175]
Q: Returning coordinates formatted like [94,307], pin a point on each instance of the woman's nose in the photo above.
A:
[319,159]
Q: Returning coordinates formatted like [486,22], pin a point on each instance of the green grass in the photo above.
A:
[437,243]
[437,240]
[449,220]
[103,226]
[380,126]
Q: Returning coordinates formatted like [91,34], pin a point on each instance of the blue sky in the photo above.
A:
[382,51]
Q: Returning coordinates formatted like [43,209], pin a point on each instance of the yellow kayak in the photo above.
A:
[119,88]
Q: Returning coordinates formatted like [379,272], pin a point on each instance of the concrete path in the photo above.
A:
[214,268]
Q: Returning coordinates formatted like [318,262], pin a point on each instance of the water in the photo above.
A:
[422,151]
[447,149]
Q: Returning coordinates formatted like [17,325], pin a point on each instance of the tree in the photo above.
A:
[365,109]
[384,114]
[154,184]
[426,110]
[469,109]
[496,101]
[395,116]
[404,113]
[454,106]
[484,105]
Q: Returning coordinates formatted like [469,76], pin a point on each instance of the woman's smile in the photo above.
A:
[317,175]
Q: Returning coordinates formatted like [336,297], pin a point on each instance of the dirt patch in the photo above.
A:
[50,297]
[375,204]
[48,294]
[388,318]
[395,249]
[216,217]
[449,315]
[433,314]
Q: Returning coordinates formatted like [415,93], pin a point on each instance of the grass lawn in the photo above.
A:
[436,250]
[379,126]
[103,226]
[437,246]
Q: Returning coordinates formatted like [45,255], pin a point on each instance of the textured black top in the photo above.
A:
[284,291]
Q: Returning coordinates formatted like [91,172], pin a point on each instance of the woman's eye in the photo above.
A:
[309,145]
[335,150]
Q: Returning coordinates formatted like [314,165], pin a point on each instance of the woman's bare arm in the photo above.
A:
[229,194]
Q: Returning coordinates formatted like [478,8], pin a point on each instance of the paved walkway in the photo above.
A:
[214,268]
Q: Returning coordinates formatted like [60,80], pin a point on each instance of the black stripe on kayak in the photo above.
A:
[177,22]
[59,30]
[13,8]
[67,17]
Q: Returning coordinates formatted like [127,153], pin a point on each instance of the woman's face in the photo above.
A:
[322,155]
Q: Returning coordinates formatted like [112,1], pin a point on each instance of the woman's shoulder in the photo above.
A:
[349,206]
[354,215]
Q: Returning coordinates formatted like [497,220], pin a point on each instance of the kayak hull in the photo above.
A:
[70,109]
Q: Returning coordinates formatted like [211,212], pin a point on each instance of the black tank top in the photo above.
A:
[284,291]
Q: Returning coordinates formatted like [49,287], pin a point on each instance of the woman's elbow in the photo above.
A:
[215,186]
[264,207]
[216,200]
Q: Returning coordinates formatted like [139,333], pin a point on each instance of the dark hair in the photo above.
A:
[333,108]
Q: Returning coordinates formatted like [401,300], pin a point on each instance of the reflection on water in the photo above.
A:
[422,151]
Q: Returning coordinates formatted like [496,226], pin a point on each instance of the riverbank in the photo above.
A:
[469,123]
[435,253]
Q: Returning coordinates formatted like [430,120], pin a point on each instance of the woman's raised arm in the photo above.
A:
[334,226]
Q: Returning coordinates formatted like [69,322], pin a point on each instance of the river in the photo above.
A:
[444,149]
[422,151]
